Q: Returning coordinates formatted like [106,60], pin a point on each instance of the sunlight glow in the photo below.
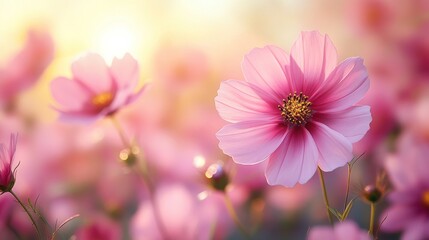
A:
[199,161]
[116,39]
[202,195]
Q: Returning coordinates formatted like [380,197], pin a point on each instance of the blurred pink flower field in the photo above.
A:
[189,120]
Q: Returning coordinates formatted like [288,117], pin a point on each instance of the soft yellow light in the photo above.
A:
[202,195]
[116,39]
[124,154]
[199,161]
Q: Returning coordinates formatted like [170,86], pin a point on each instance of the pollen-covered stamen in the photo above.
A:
[102,100]
[296,109]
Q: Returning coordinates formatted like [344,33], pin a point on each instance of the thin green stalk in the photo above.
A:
[54,234]
[212,231]
[28,213]
[121,132]
[325,195]
[143,172]
[235,218]
[349,173]
[371,219]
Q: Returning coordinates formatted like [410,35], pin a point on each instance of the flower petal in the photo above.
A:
[315,55]
[78,117]
[250,142]
[134,96]
[91,70]
[124,97]
[294,161]
[321,233]
[352,122]
[349,230]
[125,71]
[345,86]
[6,173]
[417,229]
[402,175]
[239,101]
[71,95]
[334,149]
[405,196]
[397,217]
[266,68]
[12,146]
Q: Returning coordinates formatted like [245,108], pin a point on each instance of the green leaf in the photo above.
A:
[336,213]
[341,216]
[347,210]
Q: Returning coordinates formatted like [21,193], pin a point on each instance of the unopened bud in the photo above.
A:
[217,176]
[129,155]
[8,185]
[372,193]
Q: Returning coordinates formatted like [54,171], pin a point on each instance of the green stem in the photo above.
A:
[349,173]
[121,132]
[325,195]
[54,233]
[28,213]
[371,219]
[212,231]
[234,216]
[144,173]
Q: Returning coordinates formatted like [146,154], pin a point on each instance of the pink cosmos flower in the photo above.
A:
[96,90]
[26,67]
[409,210]
[297,111]
[7,178]
[343,230]
[194,219]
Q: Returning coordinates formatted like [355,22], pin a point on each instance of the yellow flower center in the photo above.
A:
[102,100]
[425,198]
[296,109]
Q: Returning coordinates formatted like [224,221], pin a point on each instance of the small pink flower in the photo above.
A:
[7,178]
[194,219]
[26,67]
[297,111]
[343,230]
[97,90]
[409,209]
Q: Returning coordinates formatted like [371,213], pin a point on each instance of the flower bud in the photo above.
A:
[372,193]
[7,185]
[129,155]
[217,176]
[7,175]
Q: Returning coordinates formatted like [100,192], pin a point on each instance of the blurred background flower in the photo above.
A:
[185,49]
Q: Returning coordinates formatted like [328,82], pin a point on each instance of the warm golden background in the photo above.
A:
[185,48]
